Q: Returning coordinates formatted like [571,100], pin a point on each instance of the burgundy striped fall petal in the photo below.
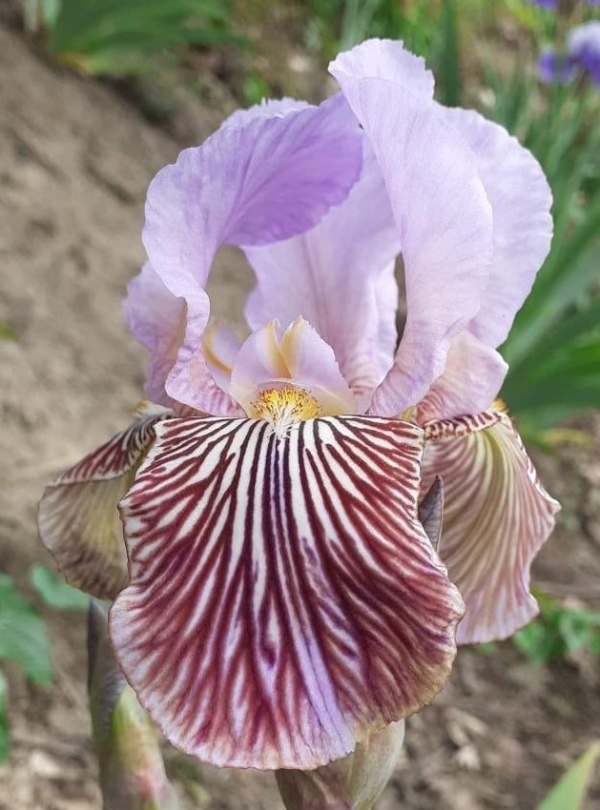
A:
[78,519]
[284,600]
[496,517]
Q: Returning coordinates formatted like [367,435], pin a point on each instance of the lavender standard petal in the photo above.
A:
[340,277]
[443,217]
[521,200]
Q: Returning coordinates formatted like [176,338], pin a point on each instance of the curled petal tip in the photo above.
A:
[78,519]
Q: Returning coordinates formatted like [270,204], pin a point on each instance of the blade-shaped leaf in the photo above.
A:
[570,792]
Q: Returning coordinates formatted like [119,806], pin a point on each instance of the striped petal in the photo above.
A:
[497,515]
[78,518]
[284,600]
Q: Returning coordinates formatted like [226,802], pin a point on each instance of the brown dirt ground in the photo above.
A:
[75,160]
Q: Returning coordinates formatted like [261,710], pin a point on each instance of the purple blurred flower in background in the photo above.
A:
[554,67]
[554,4]
[283,596]
[583,46]
[582,55]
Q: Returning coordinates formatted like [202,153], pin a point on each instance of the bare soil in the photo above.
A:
[75,161]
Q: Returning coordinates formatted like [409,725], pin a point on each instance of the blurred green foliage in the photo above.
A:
[554,346]
[23,636]
[336,25]
[558,631]
[23,641]
[7,332]
[120,36]
[55,592]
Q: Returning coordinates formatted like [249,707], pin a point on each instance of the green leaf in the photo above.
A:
[553,349]
[4,729]
[558,630]
[113,36]
[578,629]
[570,792]
[575,324]
[55,592]
[23,638]
[7,332]
[450,56]
[539,642]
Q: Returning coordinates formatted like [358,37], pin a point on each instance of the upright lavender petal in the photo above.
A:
[521,200]
[262,177]
[156,318]
[340,277]
[472,378]
[442,213]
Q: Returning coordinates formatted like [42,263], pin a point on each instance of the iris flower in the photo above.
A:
[583,48]
[582,56]
[262,526]
[553,4]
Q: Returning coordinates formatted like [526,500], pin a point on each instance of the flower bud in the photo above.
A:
[132,773]
[352,783]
